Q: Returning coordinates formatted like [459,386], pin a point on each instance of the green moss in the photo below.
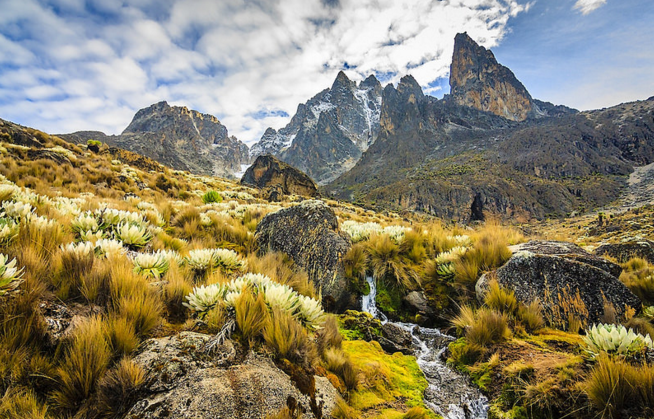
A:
[355,325]
[388,379]
[389,300]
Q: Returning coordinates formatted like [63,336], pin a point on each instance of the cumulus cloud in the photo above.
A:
[70,65]
[587,6]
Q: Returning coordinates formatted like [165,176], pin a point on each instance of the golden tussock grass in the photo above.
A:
[121,336]
[85,361]
[175,292]
[329,336]
[251,315]
[339,363]
[482,327]
[286,336]
[23,404]
[116,390]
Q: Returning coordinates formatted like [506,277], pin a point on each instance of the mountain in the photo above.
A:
[328,134]
[488,147]
[477,80]
[177,137]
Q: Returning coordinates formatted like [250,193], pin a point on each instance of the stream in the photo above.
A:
[449,393]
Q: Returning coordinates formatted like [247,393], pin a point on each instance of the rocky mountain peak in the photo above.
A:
[409,86]
[477,80]
[342,81]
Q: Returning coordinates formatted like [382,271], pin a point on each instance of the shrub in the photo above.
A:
[613,339]
[211,196]
[117,388]
[151,264]
[134,235]
[9,274]
[84,363]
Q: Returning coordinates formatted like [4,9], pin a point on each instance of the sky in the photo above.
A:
[72,65]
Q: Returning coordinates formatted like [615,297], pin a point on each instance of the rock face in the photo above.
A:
[565,279]
[183,382]
[179,138]
[327,135]
[625,251]
[309,234]
[477,80]
[267,171]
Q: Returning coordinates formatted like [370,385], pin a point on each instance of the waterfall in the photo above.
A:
[448,393]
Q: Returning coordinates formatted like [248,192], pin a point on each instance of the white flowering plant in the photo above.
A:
[9,274]
[614,340]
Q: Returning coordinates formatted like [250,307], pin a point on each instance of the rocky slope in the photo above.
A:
[177,137]
[460,159]
[327,135]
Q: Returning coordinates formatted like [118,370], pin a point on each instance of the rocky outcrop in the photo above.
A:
[565,279]
[327,135]
[183,381]
[622,252]
[477,80]
[267,172]
[309,234]
[179,138]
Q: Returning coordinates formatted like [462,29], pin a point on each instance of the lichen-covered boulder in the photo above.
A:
[309,234]
[569,251]
[622,252]
[185,382]
[568,285]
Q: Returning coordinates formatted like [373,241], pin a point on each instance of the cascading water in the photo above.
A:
[448,394]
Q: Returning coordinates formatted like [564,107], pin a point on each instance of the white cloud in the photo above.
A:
[587,6]
[229,58]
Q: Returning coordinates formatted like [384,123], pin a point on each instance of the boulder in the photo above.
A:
[569,251]
[622,252]
[417,302]
[395,339]
[185,382]
[267,172]
[309,234]
[566,284]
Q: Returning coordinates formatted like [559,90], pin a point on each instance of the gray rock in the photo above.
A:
[268,172]
[417,302]
[308,233]
[556,279]
[395,339]
[625,251]
[184,382]
[569,251]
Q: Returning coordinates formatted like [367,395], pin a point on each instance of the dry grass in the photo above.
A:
[500,299]
[339,363]
[281,269]
[251,315]
[329,336]
[286,336]
[21,404]
[117,388]
[531,316]
[85,362]
[121,336]
[175,291]
[482,327]
[387,264]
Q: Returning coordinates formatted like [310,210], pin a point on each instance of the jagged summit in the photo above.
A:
[477,80]
[328,133]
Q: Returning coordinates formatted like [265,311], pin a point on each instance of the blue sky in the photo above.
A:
[68,65]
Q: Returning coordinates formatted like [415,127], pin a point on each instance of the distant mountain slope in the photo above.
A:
[177,137]
[460,158]
[327,135]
